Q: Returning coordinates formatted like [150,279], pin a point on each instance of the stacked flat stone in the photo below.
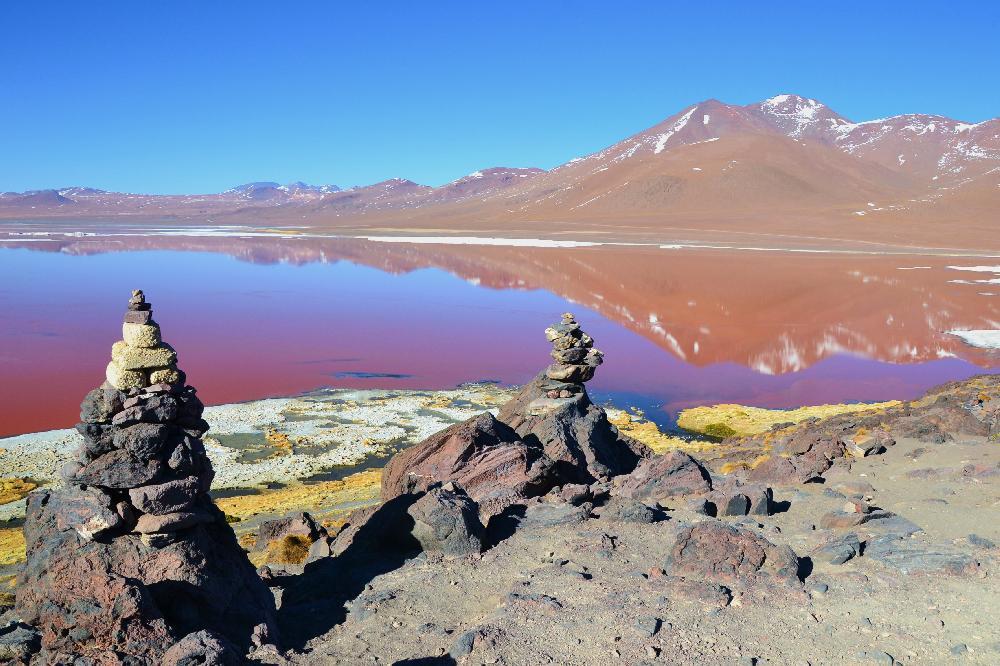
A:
[141,358]
[576,360]
[142,460]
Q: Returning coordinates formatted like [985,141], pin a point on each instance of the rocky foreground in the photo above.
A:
[545,535]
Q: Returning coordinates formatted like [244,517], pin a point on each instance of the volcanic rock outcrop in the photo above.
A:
[548,435]
[131,560]
[555,412]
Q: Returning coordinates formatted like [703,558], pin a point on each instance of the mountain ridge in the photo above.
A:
[789,158]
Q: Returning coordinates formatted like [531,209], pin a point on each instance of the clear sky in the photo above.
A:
[199,96]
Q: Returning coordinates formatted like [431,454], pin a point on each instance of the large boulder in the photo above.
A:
[673,474]
[446,520]
[573,432]
[721,553]
[484,456]
[134,597]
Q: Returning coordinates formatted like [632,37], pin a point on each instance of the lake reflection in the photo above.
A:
[260,316]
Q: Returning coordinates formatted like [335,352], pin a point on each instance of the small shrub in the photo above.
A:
[720,430]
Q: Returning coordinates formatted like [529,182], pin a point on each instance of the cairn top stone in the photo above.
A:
[141,358]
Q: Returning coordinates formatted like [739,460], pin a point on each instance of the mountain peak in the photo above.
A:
[795,115]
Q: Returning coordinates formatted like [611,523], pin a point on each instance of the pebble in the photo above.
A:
[647,625]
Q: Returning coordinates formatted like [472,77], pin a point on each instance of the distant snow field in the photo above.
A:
[988,339]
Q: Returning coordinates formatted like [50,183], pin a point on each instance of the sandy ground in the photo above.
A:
[583,593]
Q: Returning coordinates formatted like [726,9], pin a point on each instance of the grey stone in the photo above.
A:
[839,550]
[647,625]
[18,642]
[446,520]
[169,497]
[464,644]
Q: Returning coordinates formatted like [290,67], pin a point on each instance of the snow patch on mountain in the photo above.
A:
[661,140]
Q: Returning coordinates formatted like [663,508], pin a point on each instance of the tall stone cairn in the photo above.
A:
[576,359]
[131,556]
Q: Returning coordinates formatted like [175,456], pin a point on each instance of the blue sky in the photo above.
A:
[199,96]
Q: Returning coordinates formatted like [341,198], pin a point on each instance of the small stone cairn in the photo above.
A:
[576,360]
[141,358]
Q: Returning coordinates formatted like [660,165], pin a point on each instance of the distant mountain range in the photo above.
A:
[768,167]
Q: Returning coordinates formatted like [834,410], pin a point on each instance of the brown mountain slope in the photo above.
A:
[785,167]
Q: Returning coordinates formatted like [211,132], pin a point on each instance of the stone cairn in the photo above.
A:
[135,519]
[576,360]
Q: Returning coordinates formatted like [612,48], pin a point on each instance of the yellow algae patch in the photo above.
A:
[362,487]
[647,432]
[280,441]
[13,489]
[728,420]
[11,546]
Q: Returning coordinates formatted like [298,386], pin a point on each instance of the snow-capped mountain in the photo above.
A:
[782,164]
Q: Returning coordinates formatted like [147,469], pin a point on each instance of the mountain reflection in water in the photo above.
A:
[258,316]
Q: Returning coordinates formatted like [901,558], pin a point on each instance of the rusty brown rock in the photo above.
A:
[483,455]
[715,551]
[670,475]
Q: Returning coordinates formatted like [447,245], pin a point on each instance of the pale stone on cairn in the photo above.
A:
[164,376]
[146,336]
[124,380]
[136,358]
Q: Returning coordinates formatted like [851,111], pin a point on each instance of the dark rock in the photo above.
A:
[145,440]
[715,551]
[158,408]
[97,440]
[299,523]
[464,644]
[647,625]
[18,642]
[839,550]
[550,515]
[575,493]
[483,455]
[138,317]
[909,557]
[89,511]
[119,469]
[573,432]
[203,648]
[172,522]
[659,477]
[100,405]
[627,510]
[125,596]
[981,542]
[446,520]
[736,504]
[168,497]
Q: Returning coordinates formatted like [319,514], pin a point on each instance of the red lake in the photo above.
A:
[257,315]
